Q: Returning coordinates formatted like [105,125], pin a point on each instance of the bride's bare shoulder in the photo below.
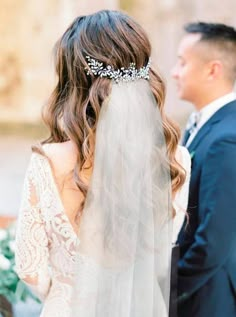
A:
[63,155]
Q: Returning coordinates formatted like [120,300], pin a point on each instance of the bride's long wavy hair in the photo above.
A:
[73,109]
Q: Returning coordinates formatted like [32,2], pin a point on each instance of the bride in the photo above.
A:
[94,233]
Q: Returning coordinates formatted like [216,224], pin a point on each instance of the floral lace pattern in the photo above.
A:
[45,240]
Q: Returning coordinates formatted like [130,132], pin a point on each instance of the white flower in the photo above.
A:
[12,246]
[5,264]
[3,234]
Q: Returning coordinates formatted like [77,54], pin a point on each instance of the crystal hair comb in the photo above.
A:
[118,75]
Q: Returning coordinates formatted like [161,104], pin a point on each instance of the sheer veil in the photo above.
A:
[124,245]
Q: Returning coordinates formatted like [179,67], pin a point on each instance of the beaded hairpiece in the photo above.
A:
[118,75]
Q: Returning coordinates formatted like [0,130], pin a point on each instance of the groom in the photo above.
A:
[205,75]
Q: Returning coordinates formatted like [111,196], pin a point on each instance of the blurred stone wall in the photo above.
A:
[28,32]
[29,29]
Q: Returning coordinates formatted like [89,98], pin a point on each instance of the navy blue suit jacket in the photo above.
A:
[207,265]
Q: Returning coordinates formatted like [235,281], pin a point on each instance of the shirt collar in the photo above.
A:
[207,112]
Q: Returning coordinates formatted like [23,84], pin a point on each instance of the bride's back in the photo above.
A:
[63,159]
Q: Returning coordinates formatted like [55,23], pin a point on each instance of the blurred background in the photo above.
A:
[28,31]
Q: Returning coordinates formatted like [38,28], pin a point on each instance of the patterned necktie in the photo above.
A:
[191,126]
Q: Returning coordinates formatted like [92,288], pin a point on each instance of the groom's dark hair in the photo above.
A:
[221,38]
[212,31]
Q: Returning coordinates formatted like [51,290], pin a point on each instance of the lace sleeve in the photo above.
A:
[181,199]
[31,238]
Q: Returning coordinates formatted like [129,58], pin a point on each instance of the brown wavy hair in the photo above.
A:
[72,112]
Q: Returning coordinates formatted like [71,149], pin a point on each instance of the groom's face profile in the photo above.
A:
[189,69]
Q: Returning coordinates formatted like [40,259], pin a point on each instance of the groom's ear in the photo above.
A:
[215,70]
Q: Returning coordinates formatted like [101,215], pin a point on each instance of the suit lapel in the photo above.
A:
[185,137]
[199,136]
[221,114]
[218,116]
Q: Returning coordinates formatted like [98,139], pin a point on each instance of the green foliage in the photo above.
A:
[10,285]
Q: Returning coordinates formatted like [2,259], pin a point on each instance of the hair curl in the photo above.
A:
[73,108]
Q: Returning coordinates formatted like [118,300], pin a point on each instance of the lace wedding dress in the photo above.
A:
[46,240]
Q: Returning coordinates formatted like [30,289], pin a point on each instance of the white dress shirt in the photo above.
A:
[208,111]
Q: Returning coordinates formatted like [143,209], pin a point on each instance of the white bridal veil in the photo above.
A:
[124,247]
